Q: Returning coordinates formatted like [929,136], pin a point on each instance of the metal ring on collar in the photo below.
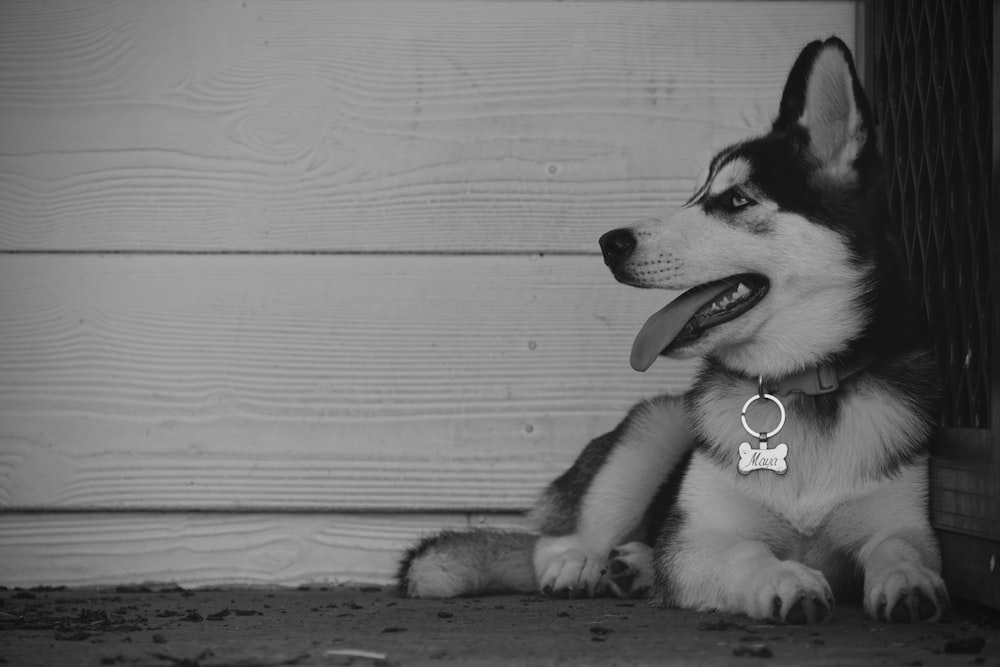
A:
[757,434]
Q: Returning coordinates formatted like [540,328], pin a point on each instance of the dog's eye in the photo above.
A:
[738,200]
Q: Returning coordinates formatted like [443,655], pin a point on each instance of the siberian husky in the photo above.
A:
[795,470]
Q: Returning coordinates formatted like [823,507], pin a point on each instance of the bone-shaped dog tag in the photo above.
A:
[761,457]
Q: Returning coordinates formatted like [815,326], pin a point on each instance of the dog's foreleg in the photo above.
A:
[902,583]
[717,552]
[650,443]
[715,570]
[655,441]
[890,534]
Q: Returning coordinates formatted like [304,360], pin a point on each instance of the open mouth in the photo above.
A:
[697,310]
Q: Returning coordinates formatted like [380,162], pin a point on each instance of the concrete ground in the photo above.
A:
[370,625]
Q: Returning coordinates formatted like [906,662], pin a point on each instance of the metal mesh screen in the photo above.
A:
[932,65]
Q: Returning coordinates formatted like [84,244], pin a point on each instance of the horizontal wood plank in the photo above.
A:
[309,381]
[206,549]
[437,126]
[963,477]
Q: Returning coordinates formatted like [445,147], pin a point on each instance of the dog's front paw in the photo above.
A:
[789,592]
[630,570]
[906,593]
[572,574]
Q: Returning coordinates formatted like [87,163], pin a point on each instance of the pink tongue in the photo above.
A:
[663,326]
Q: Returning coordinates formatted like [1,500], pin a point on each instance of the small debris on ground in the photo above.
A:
[348,656]
[274,627]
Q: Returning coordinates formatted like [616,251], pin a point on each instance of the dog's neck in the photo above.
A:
[813,381]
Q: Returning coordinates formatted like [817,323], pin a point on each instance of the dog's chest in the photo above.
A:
[831,457]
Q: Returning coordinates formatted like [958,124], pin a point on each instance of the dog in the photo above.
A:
[794,472]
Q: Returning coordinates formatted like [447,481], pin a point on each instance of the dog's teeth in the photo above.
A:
[742,290]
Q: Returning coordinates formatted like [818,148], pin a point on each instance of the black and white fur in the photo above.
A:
[657,506]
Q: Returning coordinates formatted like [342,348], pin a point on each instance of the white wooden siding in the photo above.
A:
[347,381]
[444,126]
[206,549]
[312,256]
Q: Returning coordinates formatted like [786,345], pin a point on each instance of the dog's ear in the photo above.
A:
[824,97]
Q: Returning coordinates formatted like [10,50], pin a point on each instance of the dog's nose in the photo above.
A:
[617,245]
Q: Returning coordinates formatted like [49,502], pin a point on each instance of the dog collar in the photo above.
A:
[817,380]
[814,381]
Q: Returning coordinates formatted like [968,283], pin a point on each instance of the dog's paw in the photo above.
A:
[790,592]
[906,593]
[573,574]
[630,570]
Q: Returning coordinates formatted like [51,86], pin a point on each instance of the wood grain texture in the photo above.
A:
[309,381]
[438,126]
[206,549]
[962,498]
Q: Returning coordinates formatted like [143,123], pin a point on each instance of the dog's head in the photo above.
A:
[781,246]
